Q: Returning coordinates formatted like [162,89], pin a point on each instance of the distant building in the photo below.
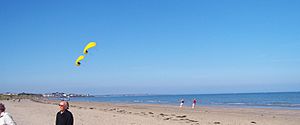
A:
[9,93]
[64,95]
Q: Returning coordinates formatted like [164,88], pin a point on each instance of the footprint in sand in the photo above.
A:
[184,119]
[183,116]
[112,109]
[163,115]
[121,111]
[193,120]
[217,122]
[143,113]
[166,118]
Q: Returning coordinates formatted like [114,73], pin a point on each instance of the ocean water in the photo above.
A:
[285,100]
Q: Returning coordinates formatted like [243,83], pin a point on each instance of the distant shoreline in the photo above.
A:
[268,100]
[282,100]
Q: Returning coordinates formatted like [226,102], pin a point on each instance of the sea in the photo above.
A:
[278,100]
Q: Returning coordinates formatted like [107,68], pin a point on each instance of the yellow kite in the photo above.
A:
[77,63]
[88,46]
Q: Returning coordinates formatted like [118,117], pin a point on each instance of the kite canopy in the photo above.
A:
[77,63]
[85,51]
[88,46]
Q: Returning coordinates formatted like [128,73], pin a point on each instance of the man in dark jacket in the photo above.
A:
[64,117]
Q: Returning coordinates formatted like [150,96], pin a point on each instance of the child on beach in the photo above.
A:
[194,103]
[181,103]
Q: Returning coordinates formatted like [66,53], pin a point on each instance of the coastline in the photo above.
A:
[93,113]
[273,100]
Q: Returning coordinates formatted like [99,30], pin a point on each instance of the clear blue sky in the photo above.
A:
[150,46]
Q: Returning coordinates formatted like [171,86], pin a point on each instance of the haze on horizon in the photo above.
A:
[156,47]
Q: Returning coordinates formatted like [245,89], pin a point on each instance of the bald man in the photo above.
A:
[64,117]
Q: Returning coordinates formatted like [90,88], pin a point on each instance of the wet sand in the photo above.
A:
[28,112]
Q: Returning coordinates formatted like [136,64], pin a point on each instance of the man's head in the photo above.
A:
[2,107]
[62,105]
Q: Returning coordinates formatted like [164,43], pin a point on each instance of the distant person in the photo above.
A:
[194,103]
[5,118]
[64,117]
[181,103]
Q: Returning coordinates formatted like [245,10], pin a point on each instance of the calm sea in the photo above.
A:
[285,100]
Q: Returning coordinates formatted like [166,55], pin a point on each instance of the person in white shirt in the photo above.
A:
[181,103]
[5,118]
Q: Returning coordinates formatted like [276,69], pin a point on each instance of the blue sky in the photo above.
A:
[150,46]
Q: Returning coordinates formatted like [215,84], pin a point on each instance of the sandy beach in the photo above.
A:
[28,112]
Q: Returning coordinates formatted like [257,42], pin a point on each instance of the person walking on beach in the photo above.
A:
[181,103]
[64,116]
[194,103]
[5,118]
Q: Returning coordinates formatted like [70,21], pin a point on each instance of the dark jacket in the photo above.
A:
[65,118]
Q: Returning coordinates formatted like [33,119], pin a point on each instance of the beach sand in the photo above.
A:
[28,112]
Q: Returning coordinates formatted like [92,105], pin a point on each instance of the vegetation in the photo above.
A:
[20,96]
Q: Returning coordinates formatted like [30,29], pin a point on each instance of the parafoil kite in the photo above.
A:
[77,63]
[88,46]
